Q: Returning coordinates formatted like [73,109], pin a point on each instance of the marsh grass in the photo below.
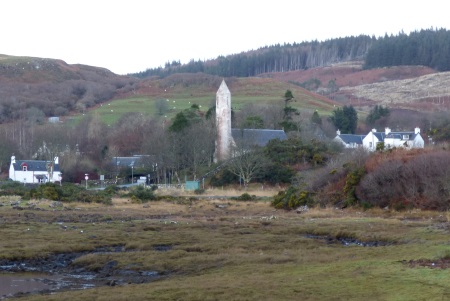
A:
[239,252]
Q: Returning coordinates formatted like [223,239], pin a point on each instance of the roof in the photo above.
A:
[379,135]
[34,165]
[258,137]
[400,135]
[135,161]
[350,138]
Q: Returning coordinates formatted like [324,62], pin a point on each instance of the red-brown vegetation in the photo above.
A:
[407,179]
[352,75]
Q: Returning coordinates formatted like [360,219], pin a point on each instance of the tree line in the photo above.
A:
[428,47]
[275,58]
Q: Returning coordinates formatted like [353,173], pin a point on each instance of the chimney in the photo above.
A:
[417,130]
[387,131]
[338,132]
[374,130]
[13,159]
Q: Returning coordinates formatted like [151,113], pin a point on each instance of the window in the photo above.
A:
[370,145]
[405,137]
[24,168]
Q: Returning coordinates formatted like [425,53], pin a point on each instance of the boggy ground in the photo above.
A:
[219,249]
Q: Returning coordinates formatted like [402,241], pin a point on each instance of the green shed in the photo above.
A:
[192,185]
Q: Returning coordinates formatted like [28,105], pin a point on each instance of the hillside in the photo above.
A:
[180,91]
[48,87]
[351,74]
[416,88]
[35,88]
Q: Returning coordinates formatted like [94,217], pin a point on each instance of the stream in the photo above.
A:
[57,273]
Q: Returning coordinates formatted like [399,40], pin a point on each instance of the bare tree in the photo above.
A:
[247,159]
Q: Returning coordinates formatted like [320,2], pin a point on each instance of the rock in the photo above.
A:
[56,204]
[302,209]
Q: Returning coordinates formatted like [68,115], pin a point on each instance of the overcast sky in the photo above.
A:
[133,35]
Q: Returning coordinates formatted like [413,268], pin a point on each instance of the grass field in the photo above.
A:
[243,91]
[231,250]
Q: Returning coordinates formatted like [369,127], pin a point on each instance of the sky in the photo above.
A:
[134,35]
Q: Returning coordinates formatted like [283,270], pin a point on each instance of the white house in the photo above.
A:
[349,140]
[34,171]
[393,139]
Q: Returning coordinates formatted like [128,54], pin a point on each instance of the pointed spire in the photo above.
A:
[223,88]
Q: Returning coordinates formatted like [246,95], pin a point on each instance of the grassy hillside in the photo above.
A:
[181,91]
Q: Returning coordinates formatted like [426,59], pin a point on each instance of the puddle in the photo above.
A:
[56,273]
[162,248]
[347,241]
[23,283]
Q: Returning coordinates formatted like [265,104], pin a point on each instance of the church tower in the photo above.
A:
[223,123]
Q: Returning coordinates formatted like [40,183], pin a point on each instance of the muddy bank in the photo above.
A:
[57,273]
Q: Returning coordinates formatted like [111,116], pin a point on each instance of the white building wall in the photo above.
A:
[29,176]
[391,143]
[418,142]
[370,142]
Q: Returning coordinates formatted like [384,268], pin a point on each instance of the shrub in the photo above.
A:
[111,189]
[405,180]
[223,178]
[199,191]
[352,180]
[13,188]
[141,193]
[292,198]
[245,197]
[65,193]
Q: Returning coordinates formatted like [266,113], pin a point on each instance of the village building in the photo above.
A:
[411,139]
[35,171]
[349,140]
[387,139]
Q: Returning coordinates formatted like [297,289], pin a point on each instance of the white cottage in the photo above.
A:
[35,171]
[393,139]
[349,140]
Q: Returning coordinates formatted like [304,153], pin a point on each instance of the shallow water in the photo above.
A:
[14,283]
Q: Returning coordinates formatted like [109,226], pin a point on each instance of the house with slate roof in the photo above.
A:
[408,140]
[349,140]
[257,137]
[35,171]
[390,139]
[137,161]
